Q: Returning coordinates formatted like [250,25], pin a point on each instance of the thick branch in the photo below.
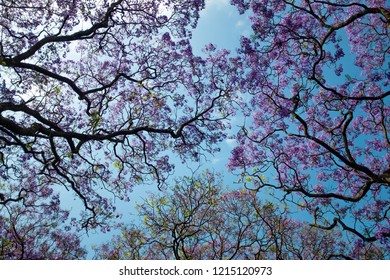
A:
[345,227]
[80,35]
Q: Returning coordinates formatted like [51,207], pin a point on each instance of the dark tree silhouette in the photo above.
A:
[94,93]
[318,129]
[200,219]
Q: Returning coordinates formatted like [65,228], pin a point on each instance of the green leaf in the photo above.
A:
[29,145]
[117,164]
[57,90]
[95,119]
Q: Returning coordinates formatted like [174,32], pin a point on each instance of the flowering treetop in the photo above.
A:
[319,123]
[94,94]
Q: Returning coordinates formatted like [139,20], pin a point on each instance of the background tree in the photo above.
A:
[318,131]
[35,227]
[199,219]
[95,93]
[96,97]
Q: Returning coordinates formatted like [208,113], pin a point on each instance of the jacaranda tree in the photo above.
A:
[36,228]
[200,219]
[96,95]
[318,131]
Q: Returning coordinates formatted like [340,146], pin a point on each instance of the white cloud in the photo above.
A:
[240,23]
[220,6]
[219,3]
[231,142]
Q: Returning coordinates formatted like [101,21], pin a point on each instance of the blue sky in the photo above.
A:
[220,24]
